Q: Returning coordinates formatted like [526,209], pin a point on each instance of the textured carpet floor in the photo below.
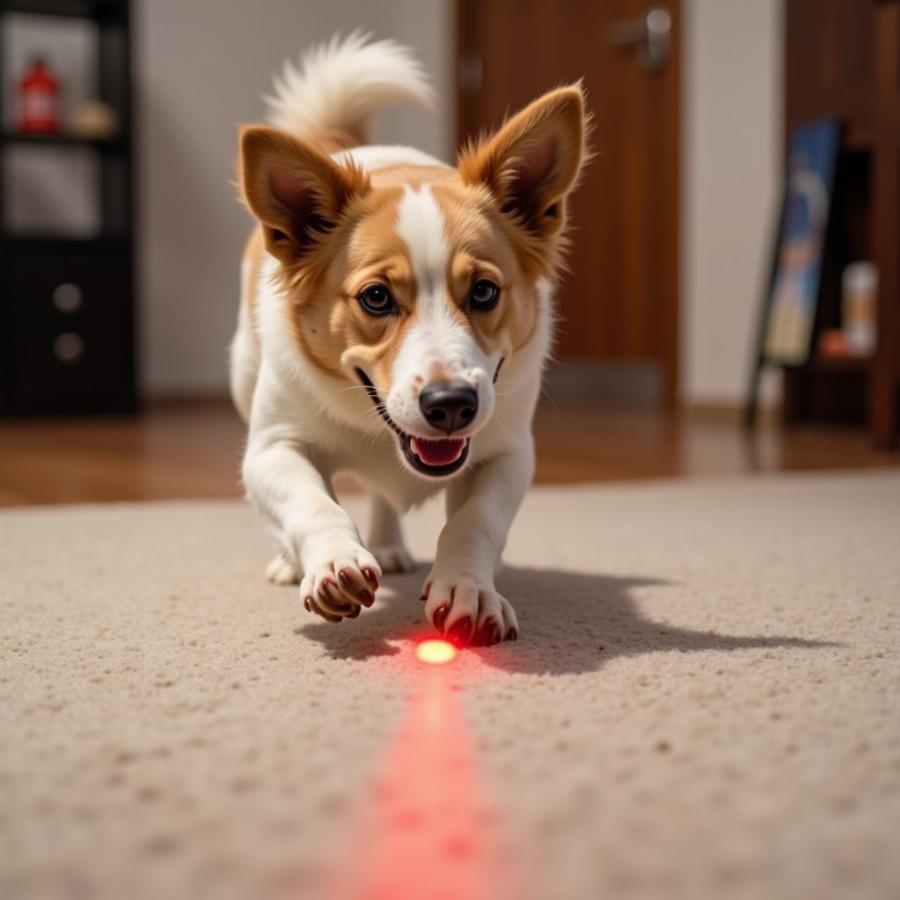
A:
[703,703]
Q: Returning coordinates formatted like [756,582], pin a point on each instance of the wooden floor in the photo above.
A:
[193,450]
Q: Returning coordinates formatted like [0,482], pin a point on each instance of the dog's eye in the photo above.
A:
[484,295]
[376,300]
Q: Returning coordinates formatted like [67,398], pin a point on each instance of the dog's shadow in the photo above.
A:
[570,622]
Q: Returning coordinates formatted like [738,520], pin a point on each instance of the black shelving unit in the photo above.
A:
[67,305]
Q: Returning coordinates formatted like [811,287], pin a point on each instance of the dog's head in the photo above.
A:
[420,282]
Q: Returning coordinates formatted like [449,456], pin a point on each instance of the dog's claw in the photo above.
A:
[440,615]
[340,584]
[333,603]
[488,634]
[357,589]
[480,616]
[327,616]
[461,630]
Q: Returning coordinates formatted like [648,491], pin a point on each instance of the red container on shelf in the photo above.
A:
[39,99]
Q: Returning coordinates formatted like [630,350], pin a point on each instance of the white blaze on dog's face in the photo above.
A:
[419,282]
[442,377]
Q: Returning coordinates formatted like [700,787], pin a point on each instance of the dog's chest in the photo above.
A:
[375,460]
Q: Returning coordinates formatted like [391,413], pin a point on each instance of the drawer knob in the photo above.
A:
[68,348]
[67,298]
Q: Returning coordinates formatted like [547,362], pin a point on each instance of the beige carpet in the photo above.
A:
[703,703]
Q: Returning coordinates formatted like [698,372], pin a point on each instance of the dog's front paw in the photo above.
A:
[469,612]
[341,584]
[393,558]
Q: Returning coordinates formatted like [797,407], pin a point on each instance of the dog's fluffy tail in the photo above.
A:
[331,97]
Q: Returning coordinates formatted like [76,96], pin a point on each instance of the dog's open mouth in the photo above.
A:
[434,457]
[440,453]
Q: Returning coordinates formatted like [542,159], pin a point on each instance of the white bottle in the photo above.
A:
[859,290]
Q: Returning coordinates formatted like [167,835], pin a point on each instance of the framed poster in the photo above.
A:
[801,242]
[788,316]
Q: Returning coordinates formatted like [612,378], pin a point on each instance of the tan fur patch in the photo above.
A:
[326,317]
[253,259]
[412,176]
[484,246]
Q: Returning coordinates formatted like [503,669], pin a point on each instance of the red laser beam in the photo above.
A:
[428,832]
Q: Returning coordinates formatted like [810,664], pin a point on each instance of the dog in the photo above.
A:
[395,319]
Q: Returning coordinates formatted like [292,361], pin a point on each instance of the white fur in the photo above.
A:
[377,157]
[244,353]
[339,85]
[305,425]
[421,224]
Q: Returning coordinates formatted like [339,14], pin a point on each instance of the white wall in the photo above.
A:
[732,140]
[201,68]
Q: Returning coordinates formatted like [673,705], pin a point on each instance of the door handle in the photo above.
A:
[650,34]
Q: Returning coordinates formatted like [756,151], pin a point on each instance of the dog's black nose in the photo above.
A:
[448,405]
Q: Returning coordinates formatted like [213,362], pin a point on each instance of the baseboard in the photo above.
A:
[617,384]
[184,399]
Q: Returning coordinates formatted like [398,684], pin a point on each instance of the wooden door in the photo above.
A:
[620,301]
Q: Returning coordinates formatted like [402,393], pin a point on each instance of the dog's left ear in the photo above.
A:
[532,162]
[297,193]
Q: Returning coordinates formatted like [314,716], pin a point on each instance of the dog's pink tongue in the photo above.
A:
[438,453]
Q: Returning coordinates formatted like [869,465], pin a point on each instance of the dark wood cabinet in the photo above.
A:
[67,304]
[72,327]
[842,60]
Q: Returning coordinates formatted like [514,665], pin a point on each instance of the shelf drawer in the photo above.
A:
[68,284]
[77,366]
[67,329]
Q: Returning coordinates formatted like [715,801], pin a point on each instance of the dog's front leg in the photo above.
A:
[460,596]
[316,534]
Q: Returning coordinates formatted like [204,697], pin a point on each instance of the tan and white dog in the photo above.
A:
[395,319]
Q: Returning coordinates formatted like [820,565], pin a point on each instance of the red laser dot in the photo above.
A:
[435,652]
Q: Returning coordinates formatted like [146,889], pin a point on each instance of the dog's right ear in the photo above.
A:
[297,193]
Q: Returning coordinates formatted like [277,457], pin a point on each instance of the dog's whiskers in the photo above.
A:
[353,387]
